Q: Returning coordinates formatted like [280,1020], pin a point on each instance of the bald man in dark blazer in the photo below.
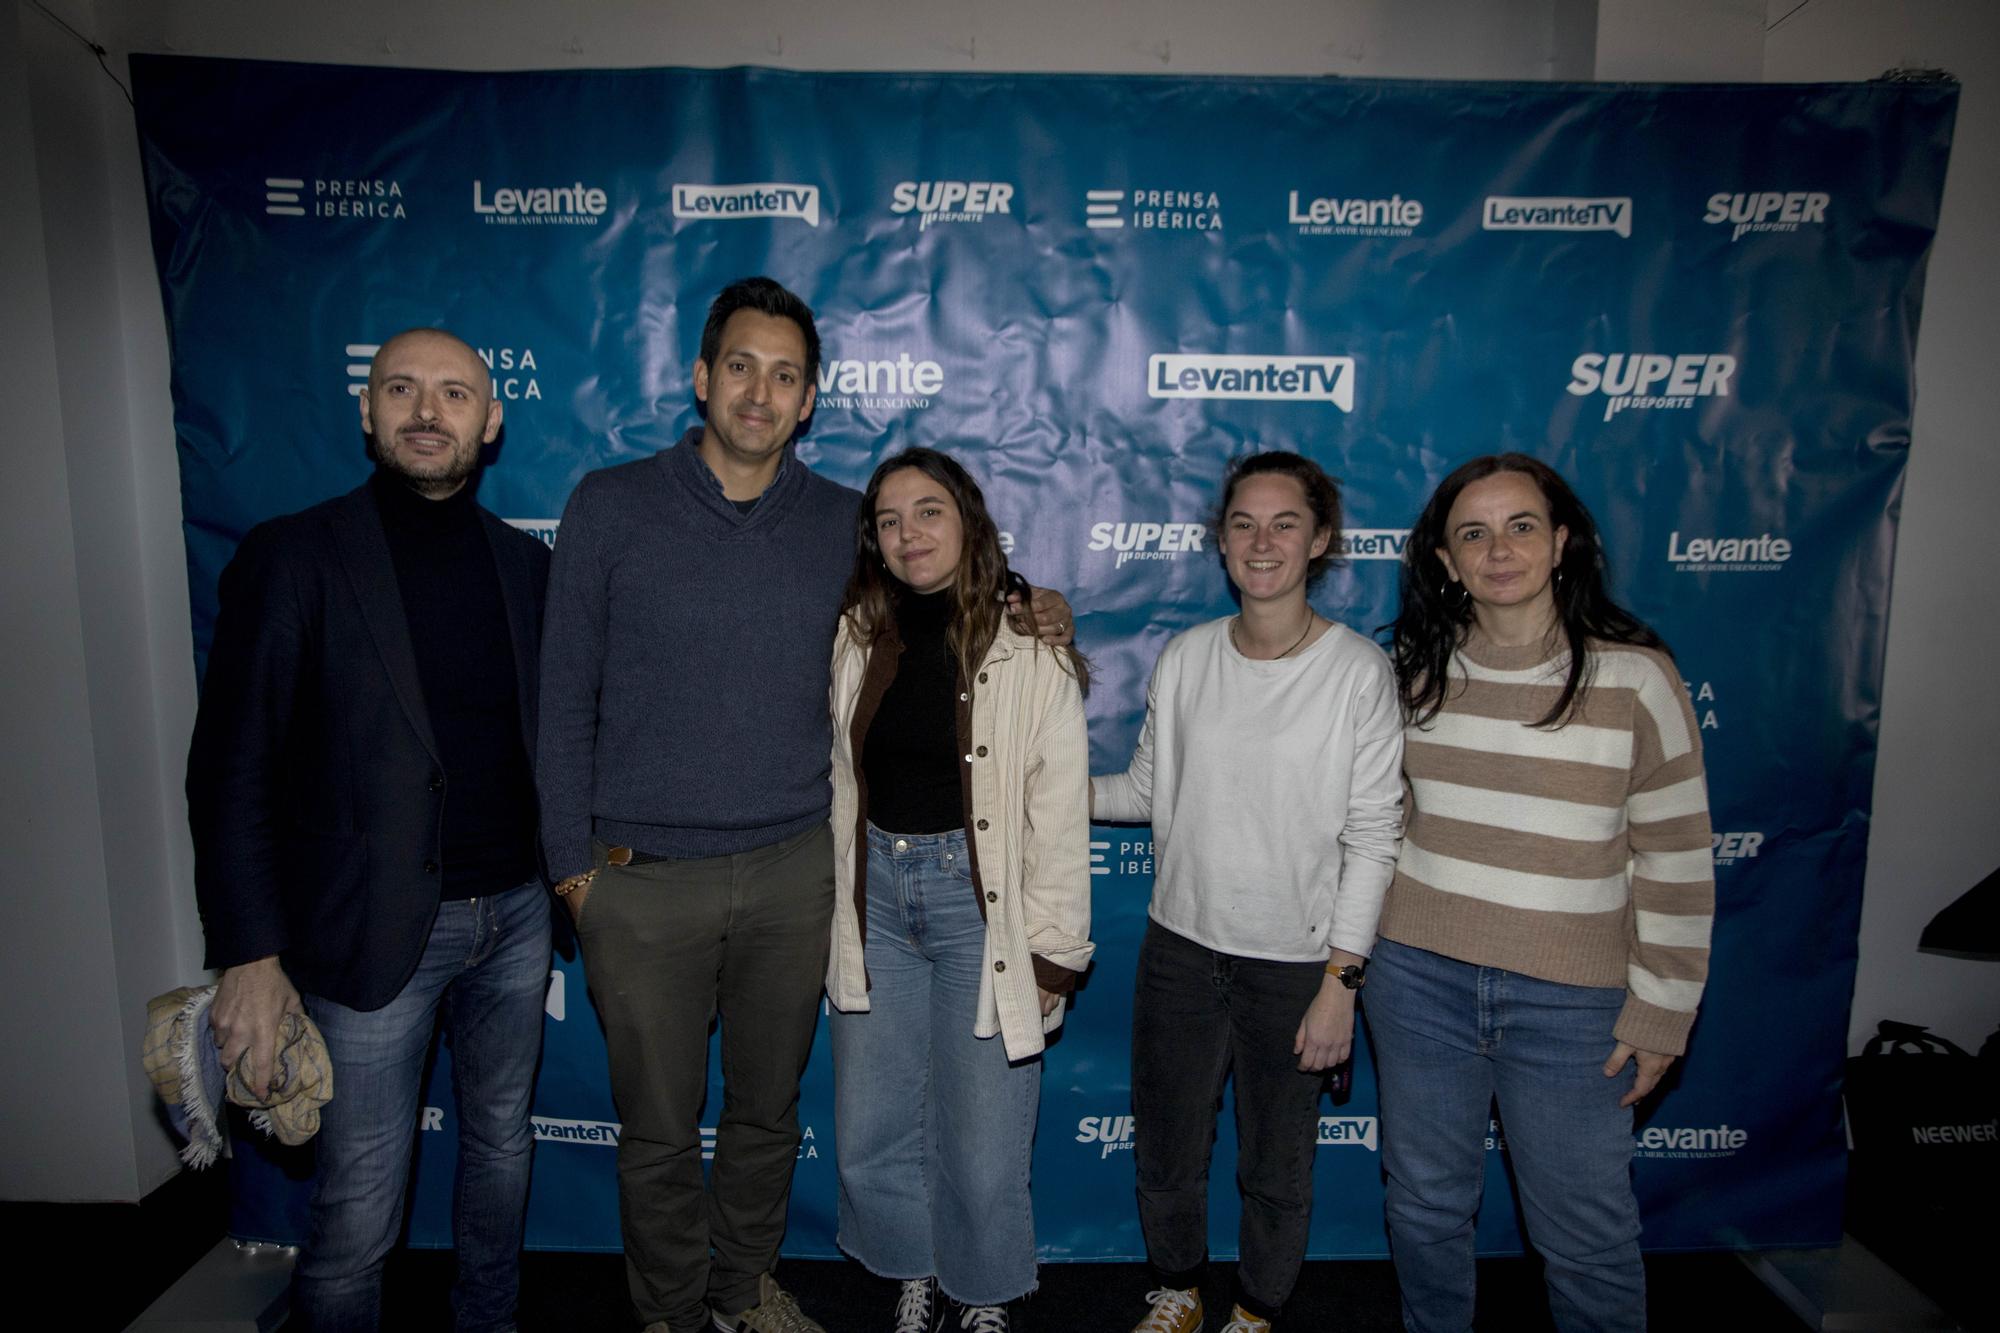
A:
[364,820]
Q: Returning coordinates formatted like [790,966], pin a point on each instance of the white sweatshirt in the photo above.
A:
[1274,790]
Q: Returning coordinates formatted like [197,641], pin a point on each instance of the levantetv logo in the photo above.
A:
[730,203]
[1349,1131]
[1651,379]
[1371,543]
[1766,210]
[575,204]
[1328,379]
[1508,213]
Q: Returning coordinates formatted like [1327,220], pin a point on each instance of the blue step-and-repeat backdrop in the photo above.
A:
[1699,303]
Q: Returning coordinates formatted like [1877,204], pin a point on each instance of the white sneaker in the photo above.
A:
[1242,1321]
[917,1307]
[1174,1311]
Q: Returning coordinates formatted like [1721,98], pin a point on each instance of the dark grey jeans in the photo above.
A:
[1197,1016]
[667,945]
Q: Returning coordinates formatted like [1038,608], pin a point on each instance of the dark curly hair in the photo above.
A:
[1430,624]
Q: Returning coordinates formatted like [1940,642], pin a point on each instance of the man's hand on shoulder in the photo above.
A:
[250,1001]
[1047,616]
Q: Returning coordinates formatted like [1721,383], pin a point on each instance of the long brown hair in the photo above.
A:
[1431,622]
[979,587]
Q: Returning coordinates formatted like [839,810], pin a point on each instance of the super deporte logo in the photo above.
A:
[1766,210]
[1727,848]
[1328,379]
[1651,379]
[575,204]
[732,203]
[1147,541]
[376,199]
[1328,216]
[1114,1132]
[1557,213]
[950,201]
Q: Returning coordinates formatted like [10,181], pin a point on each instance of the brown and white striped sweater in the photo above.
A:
[1577,854]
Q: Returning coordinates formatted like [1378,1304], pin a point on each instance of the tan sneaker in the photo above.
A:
[774,1312]
[1242,1321]
[1174,1311]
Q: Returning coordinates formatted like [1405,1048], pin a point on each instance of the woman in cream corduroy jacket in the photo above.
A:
[1030,768]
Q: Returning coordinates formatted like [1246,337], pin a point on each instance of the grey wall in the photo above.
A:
[96,681]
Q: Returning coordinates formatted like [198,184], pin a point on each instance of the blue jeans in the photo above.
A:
[1450,1037]
[487,964]
[933,1125]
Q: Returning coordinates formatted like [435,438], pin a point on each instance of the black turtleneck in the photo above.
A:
[465,659]
[911,757]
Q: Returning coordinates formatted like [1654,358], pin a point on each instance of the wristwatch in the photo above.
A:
[1353,976]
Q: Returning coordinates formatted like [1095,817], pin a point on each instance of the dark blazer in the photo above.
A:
[314,787]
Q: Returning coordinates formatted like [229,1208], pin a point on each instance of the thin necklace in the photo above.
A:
[1312,618]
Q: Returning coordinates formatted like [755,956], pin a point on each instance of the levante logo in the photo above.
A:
[1309,379]
[575,204]
[901,382]
[1394,216]
[1690,1141]
[1762,553]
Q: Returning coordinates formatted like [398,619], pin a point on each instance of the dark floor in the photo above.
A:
[115,1259]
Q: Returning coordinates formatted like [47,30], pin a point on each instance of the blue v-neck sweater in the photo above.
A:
[684,660]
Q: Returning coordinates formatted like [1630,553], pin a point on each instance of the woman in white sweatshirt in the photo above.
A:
[1269,767]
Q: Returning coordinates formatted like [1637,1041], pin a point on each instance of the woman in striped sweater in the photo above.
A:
[1545,938]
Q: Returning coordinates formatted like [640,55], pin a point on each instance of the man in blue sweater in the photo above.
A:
[683,768]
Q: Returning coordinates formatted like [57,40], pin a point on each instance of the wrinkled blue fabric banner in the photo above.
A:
[1698,303]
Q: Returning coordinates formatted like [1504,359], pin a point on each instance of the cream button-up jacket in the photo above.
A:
[1030,765]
